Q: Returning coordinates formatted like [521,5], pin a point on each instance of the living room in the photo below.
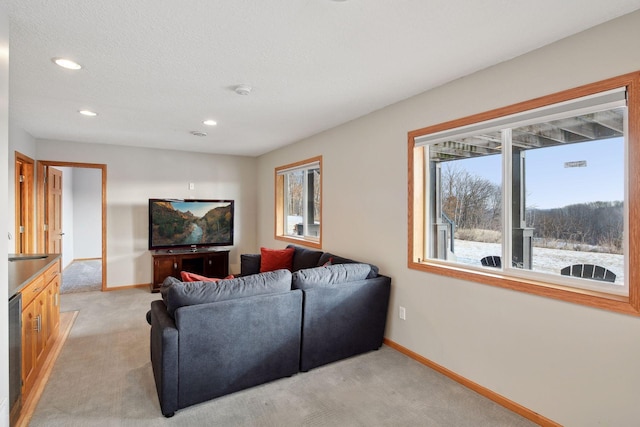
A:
[571,363]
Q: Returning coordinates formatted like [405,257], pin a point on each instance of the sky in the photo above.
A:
[549,184]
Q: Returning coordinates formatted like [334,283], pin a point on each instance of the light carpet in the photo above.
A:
[82,276]
[103,377]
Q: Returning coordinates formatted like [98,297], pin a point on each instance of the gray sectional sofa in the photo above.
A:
[212,339]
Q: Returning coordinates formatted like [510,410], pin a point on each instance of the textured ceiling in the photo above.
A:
[155,69]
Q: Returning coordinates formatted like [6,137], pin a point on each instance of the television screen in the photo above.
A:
[190,223]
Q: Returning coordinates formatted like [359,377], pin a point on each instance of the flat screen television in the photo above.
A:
[190,223]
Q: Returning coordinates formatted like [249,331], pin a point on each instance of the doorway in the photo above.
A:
[51,205]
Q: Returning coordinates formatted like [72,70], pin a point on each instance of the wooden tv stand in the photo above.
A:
[204,262]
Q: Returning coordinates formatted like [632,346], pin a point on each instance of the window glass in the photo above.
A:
[572,195]
[302,201]
[565,209]
[299,202]
[466,198]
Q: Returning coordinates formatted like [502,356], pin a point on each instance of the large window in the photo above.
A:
[299,202]
[540,196]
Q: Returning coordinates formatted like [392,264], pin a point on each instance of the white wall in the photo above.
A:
[4,217]
[136,174]
[81,214]
[87,213]
[575,365]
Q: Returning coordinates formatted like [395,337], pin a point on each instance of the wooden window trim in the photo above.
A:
[417,193]
[279,205]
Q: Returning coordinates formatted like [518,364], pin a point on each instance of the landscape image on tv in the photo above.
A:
[190,223]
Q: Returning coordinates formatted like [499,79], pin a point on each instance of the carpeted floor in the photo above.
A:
[82,276]
[103,377]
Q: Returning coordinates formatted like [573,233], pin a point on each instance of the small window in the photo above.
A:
[538,197]
[299,202]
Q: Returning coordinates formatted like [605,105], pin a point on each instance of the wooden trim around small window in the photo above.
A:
[417,193]
[279,233]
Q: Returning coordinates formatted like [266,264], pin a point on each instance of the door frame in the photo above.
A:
[41,214]
[24,203]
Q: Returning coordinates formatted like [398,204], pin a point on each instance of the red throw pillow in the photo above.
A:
[276,259]
[193,277]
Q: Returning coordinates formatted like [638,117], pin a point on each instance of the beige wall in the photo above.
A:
[136,174]
[575,365]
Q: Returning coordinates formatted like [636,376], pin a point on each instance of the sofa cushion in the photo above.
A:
[304,258]
[276,259]
[329,276]
[181,294]
[334,259]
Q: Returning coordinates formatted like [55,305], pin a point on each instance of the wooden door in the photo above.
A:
[163,266]
[53,311]
[29,334]
[54,211]
[42,328]
[24,204]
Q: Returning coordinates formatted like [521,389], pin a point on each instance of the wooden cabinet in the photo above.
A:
[206,263]
[40,323]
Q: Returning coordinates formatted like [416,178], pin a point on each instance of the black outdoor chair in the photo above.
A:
[589,271]
[491,261]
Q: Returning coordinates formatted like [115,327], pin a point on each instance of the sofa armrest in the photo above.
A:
[164,357]
[343,320]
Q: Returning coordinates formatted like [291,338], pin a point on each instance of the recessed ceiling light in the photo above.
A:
[66,63]
[88,113]
[210,122]
[242,89]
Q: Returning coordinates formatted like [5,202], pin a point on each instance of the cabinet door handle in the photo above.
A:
[38,326]
[175,265]
[36,289]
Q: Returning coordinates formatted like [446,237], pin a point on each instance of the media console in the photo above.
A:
[204,262]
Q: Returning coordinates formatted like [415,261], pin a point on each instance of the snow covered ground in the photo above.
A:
[544,259]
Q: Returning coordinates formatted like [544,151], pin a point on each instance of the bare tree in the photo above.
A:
[470,201]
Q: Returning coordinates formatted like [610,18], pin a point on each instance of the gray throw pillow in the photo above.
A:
[249,264]
[335,259]
[329,275]
[191,293]
[304,258]
[164,289]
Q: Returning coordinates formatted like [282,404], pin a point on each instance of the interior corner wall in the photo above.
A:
[20,141]
[4,217]
[573,364]
[136,174]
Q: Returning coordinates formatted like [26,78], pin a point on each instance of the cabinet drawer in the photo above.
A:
[32,290]
[52,272]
